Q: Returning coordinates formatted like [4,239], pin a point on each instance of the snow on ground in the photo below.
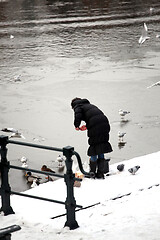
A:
[134,214]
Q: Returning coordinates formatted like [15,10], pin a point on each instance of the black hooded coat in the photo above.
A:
[97,125]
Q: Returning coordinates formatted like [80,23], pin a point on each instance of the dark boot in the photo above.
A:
[106,165]
[93,166]
[100,171]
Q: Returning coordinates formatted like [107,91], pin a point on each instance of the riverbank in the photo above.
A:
[127,206]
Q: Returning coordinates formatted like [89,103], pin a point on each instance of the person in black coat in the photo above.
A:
[98,129]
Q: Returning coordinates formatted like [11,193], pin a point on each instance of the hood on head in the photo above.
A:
[78,101]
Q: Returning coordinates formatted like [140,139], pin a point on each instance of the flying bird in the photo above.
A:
[144,35]
[134,169]
[154,84]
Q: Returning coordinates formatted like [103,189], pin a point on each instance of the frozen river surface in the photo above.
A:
[89,49]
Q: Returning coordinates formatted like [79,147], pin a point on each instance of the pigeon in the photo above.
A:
[154,84]
[134,169]
[144,35]
[120,167]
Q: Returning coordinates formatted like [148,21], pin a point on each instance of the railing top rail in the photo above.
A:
[69,149]
[35,145]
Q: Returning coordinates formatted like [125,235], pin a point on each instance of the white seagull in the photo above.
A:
[121,135]
[60,160]
[11,36]
[23,159]
[154,84]
[8,129]
[123,113]
[15,132]
[144,35]
[17,78]
[16,135]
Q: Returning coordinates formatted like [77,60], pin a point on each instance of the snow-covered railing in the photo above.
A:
[69,177]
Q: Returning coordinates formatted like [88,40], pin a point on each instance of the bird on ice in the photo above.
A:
[23,159]
[60,159]
[8,129]
[144,35]
[46,169]
[17,78]
[31,177]
[134,169]
[15,132]
[35,183]
[24,165]
[11,36]
[16,135]
[123,113]
[121,135]
[154,84]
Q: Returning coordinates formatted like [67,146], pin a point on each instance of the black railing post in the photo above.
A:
[70,203]
[5,187]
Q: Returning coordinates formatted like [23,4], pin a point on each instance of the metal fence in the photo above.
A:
[69,178]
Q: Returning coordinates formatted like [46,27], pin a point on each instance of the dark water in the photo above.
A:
[63,49]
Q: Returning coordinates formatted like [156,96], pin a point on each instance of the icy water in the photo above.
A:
[63,49]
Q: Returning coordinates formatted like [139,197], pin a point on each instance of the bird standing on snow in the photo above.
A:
[144,35]
[133,170]
[120,167]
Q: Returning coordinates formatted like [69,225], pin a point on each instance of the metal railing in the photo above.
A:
[69,178]
[5,233]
